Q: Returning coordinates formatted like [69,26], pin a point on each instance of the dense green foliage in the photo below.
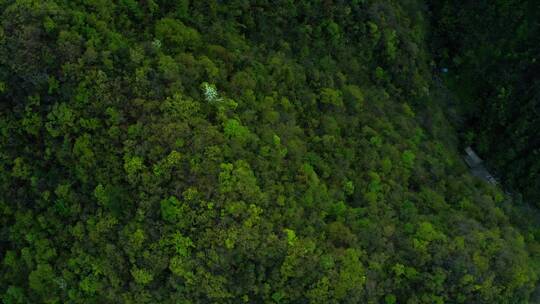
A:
[493,48]
[263,152]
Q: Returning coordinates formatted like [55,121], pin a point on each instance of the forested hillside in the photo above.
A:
[240,152]
[493,49]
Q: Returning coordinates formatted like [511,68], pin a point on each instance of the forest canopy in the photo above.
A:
[243,152]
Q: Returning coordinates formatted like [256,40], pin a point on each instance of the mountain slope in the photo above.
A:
[265,152]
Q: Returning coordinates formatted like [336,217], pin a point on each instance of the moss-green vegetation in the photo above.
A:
[248,152]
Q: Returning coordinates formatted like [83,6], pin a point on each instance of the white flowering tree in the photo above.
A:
[210,92]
